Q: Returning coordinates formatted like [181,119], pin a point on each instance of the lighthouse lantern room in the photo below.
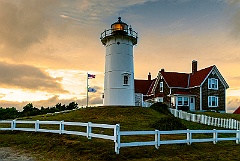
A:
[119,66]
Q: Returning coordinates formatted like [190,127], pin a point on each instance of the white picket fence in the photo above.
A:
[116,137]
[207,120]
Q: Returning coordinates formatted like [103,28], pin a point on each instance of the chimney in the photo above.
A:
[194,66]
[149,76]
[162,70]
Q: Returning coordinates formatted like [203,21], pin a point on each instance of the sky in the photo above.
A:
[47,47]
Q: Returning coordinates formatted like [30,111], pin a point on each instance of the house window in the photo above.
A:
[213,83]
[183,101]
[125,80]
[212,101]
[161,86]
[180,101]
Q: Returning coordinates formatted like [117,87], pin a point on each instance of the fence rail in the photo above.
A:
[186,135]
[61,130]
[207,120]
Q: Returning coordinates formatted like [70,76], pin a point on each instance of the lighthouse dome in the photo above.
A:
[119,26]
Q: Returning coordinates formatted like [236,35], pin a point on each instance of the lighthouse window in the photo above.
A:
[125,80]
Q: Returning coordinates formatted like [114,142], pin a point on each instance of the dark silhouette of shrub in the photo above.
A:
[161,108]
[168,123]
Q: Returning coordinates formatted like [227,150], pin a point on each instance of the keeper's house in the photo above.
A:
[199,90]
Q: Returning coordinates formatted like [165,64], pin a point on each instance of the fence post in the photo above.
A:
[13,124]
[215,136]
[189,137]
[209,120]
[229,123]
[235,124]
[175,113]
[117,138]
[215,121]
[36,125]
[89,130]
[212,121]
[206,118]
[219,122]
[237,137]
[180,114]
[157,139]
[202,119]
[61,126]
[193,117]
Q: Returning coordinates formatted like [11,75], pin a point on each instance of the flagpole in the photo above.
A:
[87,90]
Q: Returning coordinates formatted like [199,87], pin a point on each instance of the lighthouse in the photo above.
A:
[119,67]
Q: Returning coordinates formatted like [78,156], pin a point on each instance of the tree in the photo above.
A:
[72,105]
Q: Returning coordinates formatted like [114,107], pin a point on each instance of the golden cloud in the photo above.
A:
[28,77]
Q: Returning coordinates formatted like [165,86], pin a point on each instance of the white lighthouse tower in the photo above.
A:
[119,68]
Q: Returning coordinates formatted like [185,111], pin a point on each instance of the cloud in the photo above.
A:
[96,98]
[28,77]
[26,22]
[41,103]
[233,102]
[51,102]
[234,22]
[231,1]
[54,100]
[91,11]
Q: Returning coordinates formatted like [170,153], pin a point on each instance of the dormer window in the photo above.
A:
[213,83]
[161,86]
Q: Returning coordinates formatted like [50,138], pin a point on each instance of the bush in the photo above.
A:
[183,108]
[161,108]
[167,123]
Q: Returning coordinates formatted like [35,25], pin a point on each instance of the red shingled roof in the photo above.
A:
[175,79]
[186,80]
[197,78]
[143,86]
[237,111]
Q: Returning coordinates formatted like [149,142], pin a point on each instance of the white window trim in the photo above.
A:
[183,101]
[210,101]
[161,86]
[213,83]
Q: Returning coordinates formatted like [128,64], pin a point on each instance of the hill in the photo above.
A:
[47,146]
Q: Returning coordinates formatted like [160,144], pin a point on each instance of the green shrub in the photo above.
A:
[169,122]
[161,108]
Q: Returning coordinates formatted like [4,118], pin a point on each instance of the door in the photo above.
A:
[192,103]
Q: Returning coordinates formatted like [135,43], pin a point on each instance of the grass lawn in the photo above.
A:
[47,146]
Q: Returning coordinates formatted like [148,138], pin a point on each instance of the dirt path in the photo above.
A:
[8,154]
